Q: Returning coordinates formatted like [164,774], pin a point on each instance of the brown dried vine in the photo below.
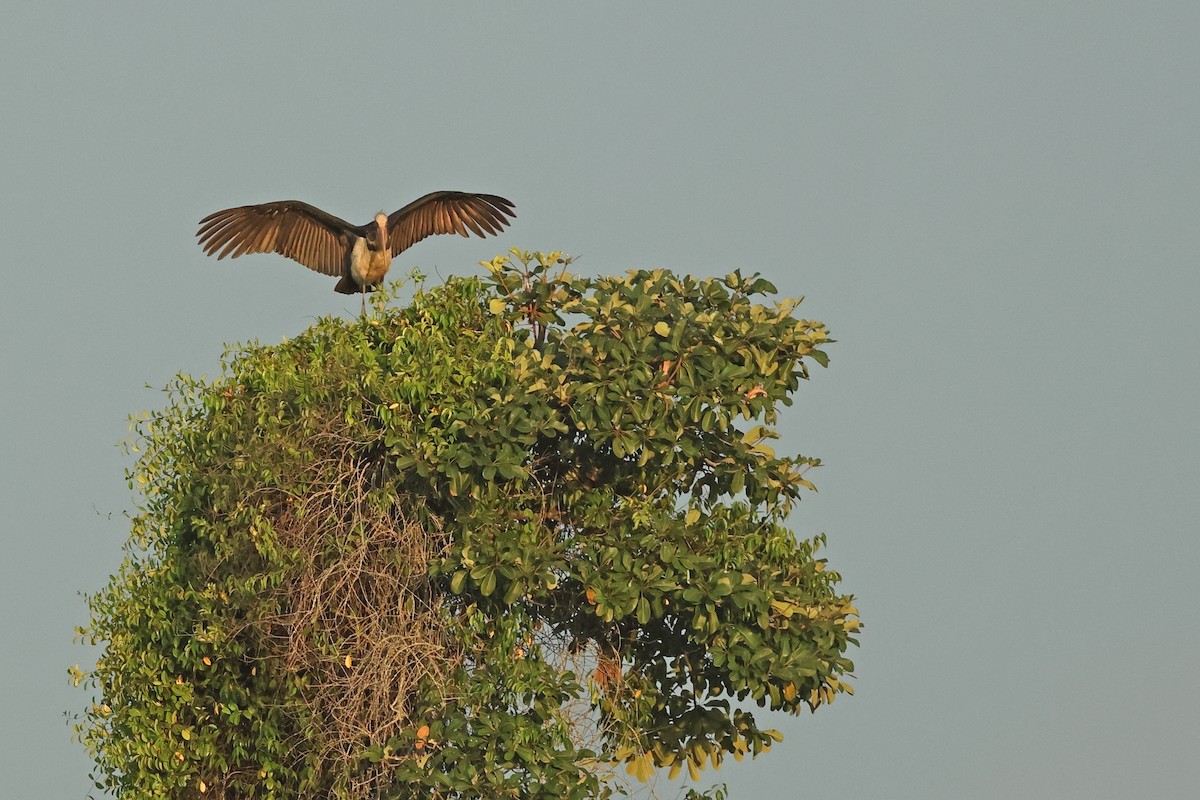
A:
[357,617]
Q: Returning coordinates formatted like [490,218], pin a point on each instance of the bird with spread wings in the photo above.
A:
[359,255]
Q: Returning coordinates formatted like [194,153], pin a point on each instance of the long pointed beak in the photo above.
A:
[381,222]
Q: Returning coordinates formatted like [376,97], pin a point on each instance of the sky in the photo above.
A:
[992,205]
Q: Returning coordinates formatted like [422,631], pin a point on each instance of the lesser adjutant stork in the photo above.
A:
[359,254]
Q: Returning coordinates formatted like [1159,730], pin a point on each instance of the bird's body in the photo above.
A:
[359,254]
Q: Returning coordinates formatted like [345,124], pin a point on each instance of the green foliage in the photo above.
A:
[496,543]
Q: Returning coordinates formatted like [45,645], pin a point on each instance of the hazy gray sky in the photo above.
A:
[994,206]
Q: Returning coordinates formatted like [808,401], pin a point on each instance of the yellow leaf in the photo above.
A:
[186,734]
[207,661]
[497,305]
[349,662]
[641,767]
[692,516]
[784,607]
[765,449]
[203,788]
[662,328]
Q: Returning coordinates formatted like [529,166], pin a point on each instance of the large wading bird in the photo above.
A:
[359,254]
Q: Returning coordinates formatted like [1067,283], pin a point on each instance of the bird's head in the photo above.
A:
[381,222]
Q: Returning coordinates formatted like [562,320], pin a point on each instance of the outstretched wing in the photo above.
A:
[303,233]
[448,212]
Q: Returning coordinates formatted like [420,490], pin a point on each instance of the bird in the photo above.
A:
[359,254]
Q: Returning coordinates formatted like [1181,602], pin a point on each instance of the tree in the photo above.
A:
[500,542]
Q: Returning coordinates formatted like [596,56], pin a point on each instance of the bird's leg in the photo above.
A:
[364,300]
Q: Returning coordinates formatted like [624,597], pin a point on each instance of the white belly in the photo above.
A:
[368,266]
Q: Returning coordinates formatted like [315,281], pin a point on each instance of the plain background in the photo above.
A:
[994,207]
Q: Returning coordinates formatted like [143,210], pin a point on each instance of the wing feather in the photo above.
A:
[448,212]
[303,233]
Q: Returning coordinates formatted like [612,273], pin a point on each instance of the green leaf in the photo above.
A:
[488,584]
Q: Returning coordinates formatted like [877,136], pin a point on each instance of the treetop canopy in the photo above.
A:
[499,541]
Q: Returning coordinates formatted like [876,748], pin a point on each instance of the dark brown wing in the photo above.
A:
[447,212]
[303,233]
